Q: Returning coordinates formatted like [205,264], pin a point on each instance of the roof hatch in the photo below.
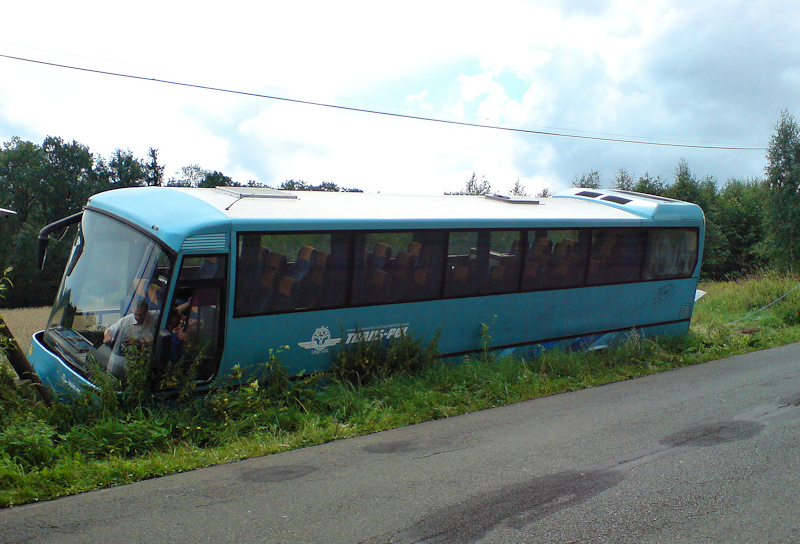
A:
[514,199]
[254,192]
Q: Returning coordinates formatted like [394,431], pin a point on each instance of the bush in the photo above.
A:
[28,443]
[126,437]
[363,361]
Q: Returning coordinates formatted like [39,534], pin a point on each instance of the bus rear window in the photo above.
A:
[671,253]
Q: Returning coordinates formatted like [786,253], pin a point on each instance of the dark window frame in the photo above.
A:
[219,281]
[354,240]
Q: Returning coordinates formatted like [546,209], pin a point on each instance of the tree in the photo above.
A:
[689,189]
[126,170]
[650,185]
[328,186]
[739,216]
[475,187]
[782,205]
[300,185]
[518,189]
[623,181]
[544,193]
[589,180]
[21,178]
[154,173]
[68,169]
[216,179]
[193,176]
[294,185]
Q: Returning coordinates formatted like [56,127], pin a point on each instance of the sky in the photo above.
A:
[684,73]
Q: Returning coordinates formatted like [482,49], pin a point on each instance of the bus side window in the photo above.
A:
[250,263]
[504,262]
[461,278]
[397,266]
[555,259]
[617,256]
[283,272]
[429,251]
[671,253]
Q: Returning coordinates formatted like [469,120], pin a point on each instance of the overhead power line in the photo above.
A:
[639,141]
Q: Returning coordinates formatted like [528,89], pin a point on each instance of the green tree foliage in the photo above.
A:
[216,179]
[126,170]
[154,173]
[624,181]
[589,180]
[650,185]
[518,189]
[195,176]
[44,183]
[739,215]
[687,187]
[475,187]
[782,217]
[21,178]
[191,176]
[328,186]
[68,170]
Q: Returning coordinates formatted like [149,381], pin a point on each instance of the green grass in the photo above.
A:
[107,440]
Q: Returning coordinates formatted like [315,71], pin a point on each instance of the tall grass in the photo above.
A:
[102,438]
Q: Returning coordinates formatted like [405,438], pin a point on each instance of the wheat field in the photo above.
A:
[23,322]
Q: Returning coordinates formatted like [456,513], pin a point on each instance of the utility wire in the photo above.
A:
[387,114]
[767,306]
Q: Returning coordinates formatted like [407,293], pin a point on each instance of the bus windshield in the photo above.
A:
[110,297]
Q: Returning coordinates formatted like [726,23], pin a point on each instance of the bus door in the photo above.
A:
[194,328]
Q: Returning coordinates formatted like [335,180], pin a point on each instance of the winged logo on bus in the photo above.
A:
[320,341]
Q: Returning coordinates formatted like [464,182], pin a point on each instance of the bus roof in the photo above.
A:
[174,213]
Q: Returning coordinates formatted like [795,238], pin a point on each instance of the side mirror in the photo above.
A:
[44,235]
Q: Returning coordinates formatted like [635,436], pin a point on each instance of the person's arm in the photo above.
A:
[111,331]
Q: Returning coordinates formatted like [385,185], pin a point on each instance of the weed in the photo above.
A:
[363,361]
[127,436]
[486,338]
[28,443]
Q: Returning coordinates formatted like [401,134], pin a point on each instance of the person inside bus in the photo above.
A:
[135,328]
[176,325]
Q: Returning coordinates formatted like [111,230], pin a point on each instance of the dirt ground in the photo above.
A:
[24,322]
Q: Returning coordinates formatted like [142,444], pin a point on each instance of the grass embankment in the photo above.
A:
[106,440]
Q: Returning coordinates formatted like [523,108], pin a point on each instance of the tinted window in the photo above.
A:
[396,267]
[671,253]
[555,258]
[282,272]
[298,271]
[616,256]
[427,252]
[482,262]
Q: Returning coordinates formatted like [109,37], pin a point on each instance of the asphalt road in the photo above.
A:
[700,454]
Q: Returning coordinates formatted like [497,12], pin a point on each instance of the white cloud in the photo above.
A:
[712,72]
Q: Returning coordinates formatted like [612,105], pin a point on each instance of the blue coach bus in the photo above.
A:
[228,274]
